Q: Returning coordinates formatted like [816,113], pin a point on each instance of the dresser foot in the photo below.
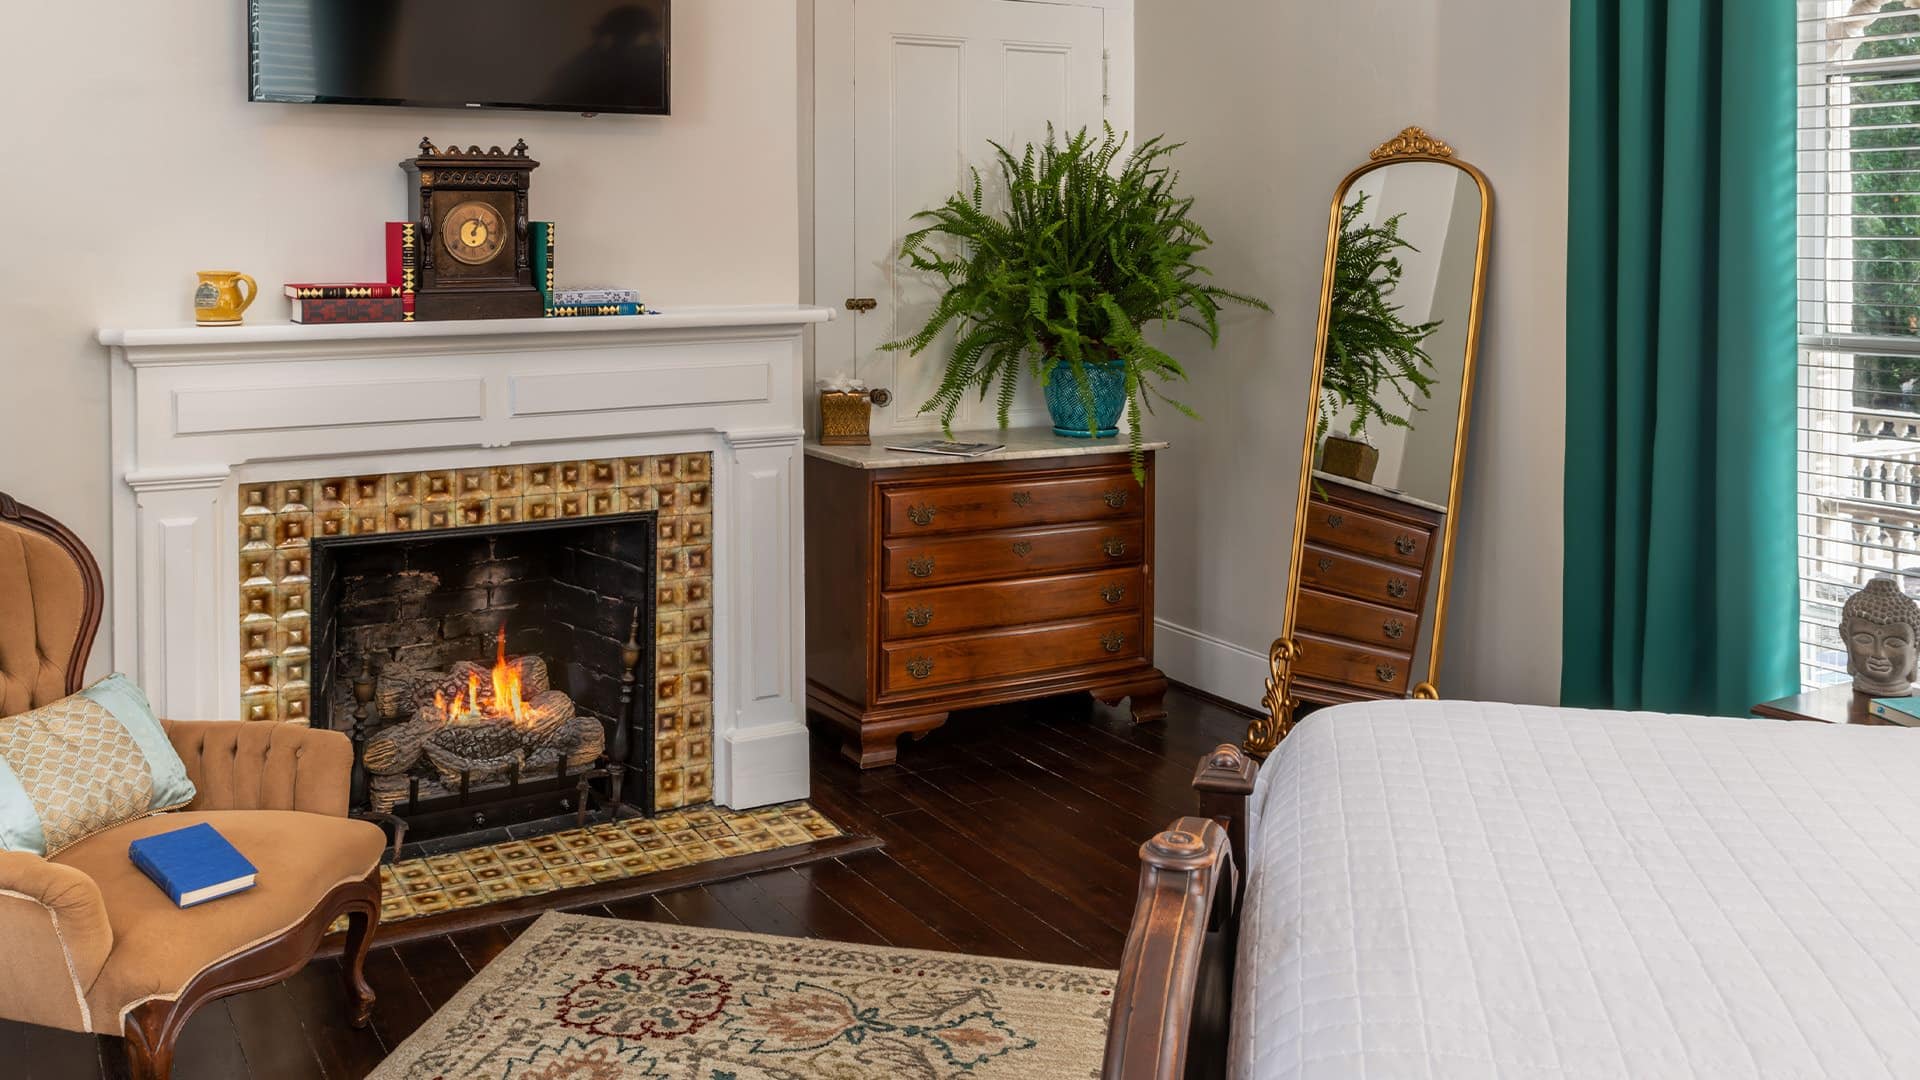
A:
[877,743]
[1146,697]
[1146,708]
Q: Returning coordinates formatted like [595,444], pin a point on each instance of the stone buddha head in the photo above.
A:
[1881,627]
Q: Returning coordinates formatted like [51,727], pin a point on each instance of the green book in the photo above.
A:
[1904,711]
[540,236]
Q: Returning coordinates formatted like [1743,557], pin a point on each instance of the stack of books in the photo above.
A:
[391,300]
[574,303]
[364,301]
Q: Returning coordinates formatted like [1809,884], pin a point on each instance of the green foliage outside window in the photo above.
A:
[1884,141]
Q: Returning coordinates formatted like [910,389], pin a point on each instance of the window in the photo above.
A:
[1859,268]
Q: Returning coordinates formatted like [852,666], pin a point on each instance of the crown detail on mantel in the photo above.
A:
[1411,142]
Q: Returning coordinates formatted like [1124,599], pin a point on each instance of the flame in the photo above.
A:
[505,702]
[506,683]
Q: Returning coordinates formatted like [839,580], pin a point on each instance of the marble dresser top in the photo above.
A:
[1020,443]
[1387,492]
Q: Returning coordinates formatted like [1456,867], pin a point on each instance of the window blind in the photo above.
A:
[1859,305]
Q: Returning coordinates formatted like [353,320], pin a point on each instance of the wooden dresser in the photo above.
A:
[1364,580]
[936,584]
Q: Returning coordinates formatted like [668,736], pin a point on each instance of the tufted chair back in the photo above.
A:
[50,600]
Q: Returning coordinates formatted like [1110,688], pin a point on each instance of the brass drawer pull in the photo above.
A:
[1113,594]
[1334,521]
[1022,548]
[1396,588]
[1387,673]
[1022,498]
[1113,642]
[920,667]
[1325,565]
[1114,547]
[921,515]
[1116,499]
[1393,628]
[1404,544]
[920,568]
[921,616]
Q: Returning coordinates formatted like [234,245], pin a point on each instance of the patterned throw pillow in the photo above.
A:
[83,764]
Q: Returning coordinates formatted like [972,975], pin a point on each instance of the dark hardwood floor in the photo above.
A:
[1009,832]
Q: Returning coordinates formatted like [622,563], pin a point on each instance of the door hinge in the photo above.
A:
[1106,77]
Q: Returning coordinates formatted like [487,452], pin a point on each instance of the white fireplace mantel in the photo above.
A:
[199,411]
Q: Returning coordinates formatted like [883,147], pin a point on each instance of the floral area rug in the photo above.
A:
[583,998]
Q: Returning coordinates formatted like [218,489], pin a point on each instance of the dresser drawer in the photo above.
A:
[1353,665]
[1355,620]
[957,608]
[1362,579]
[1346,529]
[919,564]
[1010,503]
[909,667]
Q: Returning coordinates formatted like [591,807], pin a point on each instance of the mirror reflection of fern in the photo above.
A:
[1090,248]
[1369,345]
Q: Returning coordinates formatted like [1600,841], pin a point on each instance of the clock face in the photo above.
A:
[473,232]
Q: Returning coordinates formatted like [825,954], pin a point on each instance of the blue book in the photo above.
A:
[192,865]
[1904,711]
[569,311]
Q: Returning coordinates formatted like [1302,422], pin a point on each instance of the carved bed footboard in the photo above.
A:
[1174,996]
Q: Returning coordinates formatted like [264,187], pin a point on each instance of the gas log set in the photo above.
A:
[474,726]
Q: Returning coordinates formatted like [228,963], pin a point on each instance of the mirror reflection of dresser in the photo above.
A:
[1389,396]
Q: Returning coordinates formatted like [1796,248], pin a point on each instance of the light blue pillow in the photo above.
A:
[84,764]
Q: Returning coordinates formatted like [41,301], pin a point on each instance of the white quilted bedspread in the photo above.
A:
[1475,890]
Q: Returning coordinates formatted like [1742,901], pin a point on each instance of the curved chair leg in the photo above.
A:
[152,1027]
[353,962]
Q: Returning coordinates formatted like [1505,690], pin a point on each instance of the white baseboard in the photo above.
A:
[1221,668]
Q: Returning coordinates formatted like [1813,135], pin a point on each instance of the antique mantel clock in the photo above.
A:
[470,207]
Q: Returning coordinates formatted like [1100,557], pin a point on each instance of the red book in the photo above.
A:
[341,290]
[402,255]
[318,311]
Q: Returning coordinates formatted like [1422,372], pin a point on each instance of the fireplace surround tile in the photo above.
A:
[278,519]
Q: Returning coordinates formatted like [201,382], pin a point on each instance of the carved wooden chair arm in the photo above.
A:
[1186,876]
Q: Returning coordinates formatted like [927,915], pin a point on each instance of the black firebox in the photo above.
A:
[414,633]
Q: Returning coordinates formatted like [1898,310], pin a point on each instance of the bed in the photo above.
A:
[1438,889]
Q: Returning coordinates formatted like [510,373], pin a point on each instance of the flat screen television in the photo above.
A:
[587,56]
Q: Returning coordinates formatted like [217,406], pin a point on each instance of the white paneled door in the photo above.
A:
[934,83]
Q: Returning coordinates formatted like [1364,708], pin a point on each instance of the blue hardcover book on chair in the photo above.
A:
[192,865]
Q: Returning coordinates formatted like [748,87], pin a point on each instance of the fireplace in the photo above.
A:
[507,666]
[406,579]
[234,450]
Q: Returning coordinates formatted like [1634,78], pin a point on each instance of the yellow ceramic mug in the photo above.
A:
[217,300]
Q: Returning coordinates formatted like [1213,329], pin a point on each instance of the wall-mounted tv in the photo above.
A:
[587,56]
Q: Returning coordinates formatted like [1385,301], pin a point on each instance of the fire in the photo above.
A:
[506,684]
[506,701]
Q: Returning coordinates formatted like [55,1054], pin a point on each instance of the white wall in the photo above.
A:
[132,159]
[1276,103]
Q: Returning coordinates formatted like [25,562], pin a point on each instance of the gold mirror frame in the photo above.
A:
[1412,144]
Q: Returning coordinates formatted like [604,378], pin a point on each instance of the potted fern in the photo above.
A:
[1370,346]
[1090,245]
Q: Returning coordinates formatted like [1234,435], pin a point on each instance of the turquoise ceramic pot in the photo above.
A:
[1069,411]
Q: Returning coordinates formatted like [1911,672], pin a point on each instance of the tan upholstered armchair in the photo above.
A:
[87,943]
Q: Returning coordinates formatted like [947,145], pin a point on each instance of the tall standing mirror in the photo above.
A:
[1391,386]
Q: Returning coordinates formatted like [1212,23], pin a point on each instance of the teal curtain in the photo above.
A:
[1681,589]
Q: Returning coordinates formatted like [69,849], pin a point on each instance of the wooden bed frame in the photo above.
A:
[1174,999]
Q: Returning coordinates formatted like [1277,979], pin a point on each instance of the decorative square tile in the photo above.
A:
[333,493]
